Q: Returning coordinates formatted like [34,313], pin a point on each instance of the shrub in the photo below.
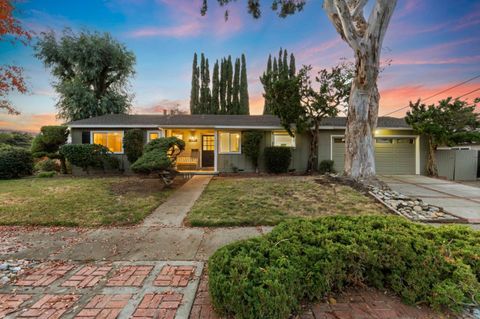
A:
[277,159]
[89,156]
[158,155]
[46,174]
[15,162]
[133,144]
[17,139]
[47,165]
[48,143]
[251,146]
[326,166]
[267,277]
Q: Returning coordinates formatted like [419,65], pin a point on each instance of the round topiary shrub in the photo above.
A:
[277,159]
[159,155]
[15,162]
[268,277]
[326,166]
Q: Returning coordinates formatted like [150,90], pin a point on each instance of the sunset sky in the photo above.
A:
[433,44]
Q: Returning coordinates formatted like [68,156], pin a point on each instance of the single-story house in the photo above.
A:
[214,142]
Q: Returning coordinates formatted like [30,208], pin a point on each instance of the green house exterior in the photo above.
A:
[213,142]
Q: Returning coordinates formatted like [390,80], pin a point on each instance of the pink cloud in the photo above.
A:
[189,23]
[27,122]
[399,96]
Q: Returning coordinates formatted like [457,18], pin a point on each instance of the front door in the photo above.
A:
[208,146]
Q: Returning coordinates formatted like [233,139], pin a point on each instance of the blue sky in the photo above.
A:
[433,44]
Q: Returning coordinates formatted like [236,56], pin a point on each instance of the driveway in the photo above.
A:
[458,199]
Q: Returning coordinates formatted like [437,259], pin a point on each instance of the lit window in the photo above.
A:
[178,135]
[229,142]
[153,135]
[283,139]
[112,140]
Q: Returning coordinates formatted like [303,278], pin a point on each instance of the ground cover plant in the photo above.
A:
[74,201]
[268,277]
[231,201]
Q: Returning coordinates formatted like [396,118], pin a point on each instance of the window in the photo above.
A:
[229,142]
[338,140]
[153,135]
[405,141]
[380,140]
[113,140]
[178,135]
[283,139]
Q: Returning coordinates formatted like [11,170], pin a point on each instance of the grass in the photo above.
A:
[75,201]
[270,200]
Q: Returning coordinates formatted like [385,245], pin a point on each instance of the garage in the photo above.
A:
[393,155]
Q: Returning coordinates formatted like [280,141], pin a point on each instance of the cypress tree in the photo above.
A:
[215,102]
[194,93]
[285,63]
[236,89]
[205,94]
[274,70]
[292,68]
[223,87]
[244,103]
[266,80]
[280,61]
[228,84]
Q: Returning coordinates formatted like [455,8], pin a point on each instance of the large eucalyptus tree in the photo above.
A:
[365,37]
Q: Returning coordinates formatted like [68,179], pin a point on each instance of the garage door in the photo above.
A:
[393,155]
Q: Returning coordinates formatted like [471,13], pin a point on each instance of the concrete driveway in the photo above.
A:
[458,199]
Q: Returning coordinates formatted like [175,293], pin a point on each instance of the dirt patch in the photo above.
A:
[143,185]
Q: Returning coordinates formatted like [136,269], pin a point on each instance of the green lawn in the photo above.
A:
[75,201]
[270,200]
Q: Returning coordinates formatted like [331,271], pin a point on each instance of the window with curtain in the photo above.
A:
[112,140]
[229,142]
[283,139]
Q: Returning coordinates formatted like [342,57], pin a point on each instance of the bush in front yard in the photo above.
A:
[277,159]
[47,165]
[89,156]
[158,155]
[326,166]
[15,162]
[268,277]
[133,144]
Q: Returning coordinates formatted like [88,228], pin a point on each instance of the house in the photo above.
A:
[214,142]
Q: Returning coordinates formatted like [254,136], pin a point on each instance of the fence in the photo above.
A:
[458,165]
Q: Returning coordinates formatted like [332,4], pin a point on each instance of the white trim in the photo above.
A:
[215,150]
[123,134]
[159,131]
[239,144]
[294,138]
[417,147]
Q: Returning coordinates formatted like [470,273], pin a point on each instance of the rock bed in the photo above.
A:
[412,208]
[10,269]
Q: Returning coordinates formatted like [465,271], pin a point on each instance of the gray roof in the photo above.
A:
[213,121]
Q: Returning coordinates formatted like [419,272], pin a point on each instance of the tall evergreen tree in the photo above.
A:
[195,90]
[266,80]
[215,102]
[244,103]
[223,87]
[228,83]
[235,109]
[285,62]
[204,107]
[292,68]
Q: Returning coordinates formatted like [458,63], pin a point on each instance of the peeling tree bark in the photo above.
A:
[365,39]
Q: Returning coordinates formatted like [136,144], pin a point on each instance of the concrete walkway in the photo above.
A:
[177,206]
[457,199]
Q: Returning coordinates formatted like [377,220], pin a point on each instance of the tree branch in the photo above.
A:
[339,13]
[379,19]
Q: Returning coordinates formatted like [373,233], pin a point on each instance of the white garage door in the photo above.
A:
[393,155]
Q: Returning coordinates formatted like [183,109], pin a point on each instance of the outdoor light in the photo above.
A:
[192,139]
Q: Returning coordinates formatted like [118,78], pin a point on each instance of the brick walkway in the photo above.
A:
[352,304]
[163,290]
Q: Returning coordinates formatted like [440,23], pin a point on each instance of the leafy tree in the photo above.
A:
[244,102]
[449,122]
[11,76]
[133,144]
[17,139]
[281,69]
[195,90]
[299,105]
[92,72]
[48,143]
[365,37]
[251,146]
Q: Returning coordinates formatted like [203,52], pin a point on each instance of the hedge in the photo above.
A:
[277,159]
[268,277]
[326,166]
[15,162]
[89,156]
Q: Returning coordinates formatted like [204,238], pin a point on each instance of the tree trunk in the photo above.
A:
[63,165]
[432,169]
[312,165]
